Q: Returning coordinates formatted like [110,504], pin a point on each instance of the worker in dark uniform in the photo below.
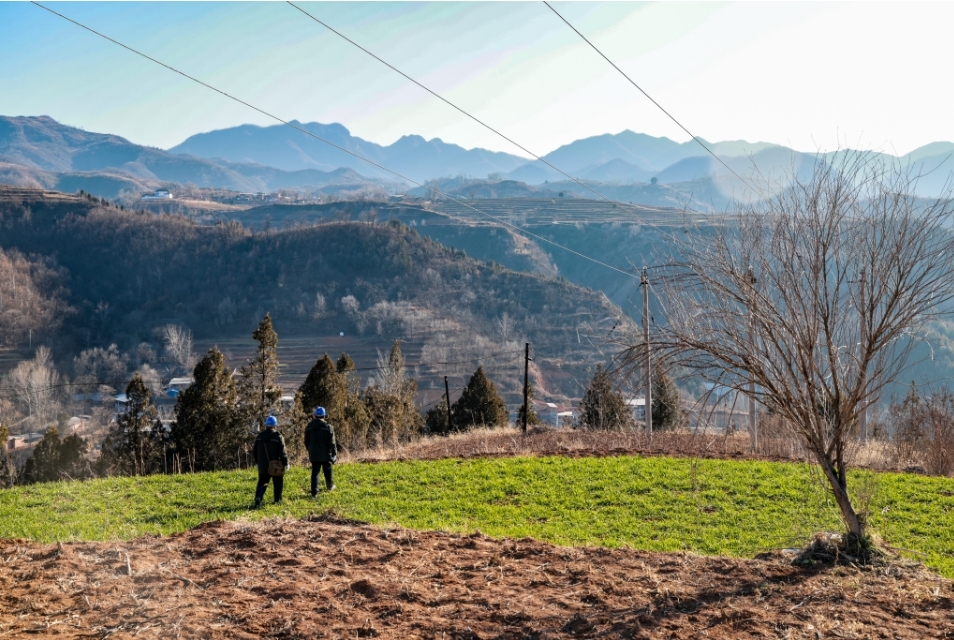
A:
[270,448]
[322,450]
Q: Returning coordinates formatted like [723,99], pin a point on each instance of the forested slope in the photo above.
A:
[126,273]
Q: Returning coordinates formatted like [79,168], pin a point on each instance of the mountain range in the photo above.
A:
[40,152]
[289,149]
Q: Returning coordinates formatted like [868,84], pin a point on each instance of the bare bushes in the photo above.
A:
[923,438]
[510,441]
[777,439]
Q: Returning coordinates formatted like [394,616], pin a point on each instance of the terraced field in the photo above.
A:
[297,354]
[10,357]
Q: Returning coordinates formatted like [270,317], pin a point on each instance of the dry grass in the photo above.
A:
[510,441]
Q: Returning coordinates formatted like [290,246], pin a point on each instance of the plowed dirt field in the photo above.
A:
[328,578]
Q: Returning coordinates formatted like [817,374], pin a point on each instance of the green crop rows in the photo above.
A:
[737,508]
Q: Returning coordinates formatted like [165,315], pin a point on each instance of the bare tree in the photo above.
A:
[178,344]
[34,384]
[814,298]
[100,369]
[505,325]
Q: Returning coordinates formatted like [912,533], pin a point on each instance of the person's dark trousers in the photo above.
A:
[315,468]
[263,478]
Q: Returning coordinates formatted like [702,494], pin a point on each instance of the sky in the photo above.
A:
[811,75]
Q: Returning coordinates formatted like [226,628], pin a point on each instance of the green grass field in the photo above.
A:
[724,507]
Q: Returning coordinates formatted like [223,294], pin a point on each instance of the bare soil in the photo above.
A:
[329,578]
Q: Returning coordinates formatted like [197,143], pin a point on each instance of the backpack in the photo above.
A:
[275,467]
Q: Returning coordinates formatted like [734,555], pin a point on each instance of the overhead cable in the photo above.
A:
[454,106]
[474,118]
[424,364]
[340,148]
[653,100]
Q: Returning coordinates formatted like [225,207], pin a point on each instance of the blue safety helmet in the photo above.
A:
[270,421]
[320,412]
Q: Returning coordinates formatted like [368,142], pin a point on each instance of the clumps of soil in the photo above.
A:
[328,578]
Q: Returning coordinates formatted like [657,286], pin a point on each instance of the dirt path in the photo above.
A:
[334,579]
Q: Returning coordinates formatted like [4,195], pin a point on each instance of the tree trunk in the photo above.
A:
[848,514]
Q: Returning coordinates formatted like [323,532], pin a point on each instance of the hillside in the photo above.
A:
[627,237]
[624,237]
[129,273]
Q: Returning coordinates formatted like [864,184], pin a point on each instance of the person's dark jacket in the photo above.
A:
[269,445]
[320,441]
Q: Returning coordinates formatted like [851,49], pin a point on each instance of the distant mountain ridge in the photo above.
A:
[622,158]
[285,148]
[46,151]
[40,152]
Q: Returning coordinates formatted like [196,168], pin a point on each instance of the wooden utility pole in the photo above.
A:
[863,316]
[447,400]
[753,424]
[644,280]
[526,387]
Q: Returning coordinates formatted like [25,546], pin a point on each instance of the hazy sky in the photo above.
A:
[809,75]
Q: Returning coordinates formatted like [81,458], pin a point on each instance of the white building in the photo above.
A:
[161,194]
[638,408]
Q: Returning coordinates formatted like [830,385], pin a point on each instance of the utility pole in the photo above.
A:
[526,385]
[753,425]
[447,400]
[644,280]
[863,418]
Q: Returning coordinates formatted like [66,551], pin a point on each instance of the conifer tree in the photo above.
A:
[352,433]
[56,458]
[435,420]
[532,418]
[603,408]
[134,446]
[42,464]
[209,433]
[325,387]
[259,391]
[479,404]
[336,387]
[292,427]
[344,364]
[667,402]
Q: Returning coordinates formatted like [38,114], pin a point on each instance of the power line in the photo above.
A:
[340,148]
[454,106]
[423,364]
[472,117]
[651,99]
